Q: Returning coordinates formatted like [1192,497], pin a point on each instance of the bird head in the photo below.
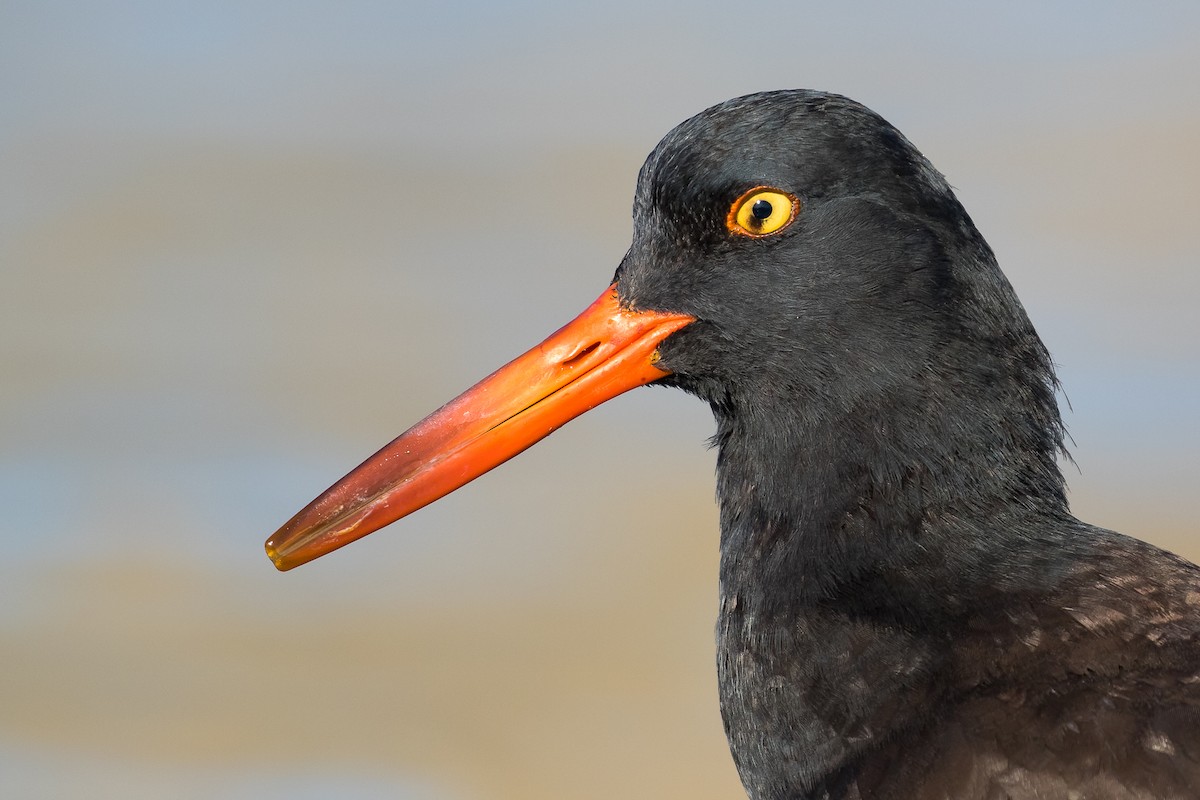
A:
[794,259]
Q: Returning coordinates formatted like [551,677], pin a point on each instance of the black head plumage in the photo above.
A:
[877,324]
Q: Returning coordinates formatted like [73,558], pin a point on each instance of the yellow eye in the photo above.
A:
[762,211]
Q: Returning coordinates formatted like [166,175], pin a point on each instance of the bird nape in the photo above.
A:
[907,607]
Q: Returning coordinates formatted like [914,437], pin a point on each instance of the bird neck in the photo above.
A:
[896,493]
[850,548]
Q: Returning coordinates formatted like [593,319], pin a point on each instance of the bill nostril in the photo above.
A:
[582,354]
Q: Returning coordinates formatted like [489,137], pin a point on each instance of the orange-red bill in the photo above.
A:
[603,352]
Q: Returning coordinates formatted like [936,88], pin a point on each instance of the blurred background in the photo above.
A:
[242,245]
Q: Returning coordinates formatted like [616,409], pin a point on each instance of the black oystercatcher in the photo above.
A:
[908,609]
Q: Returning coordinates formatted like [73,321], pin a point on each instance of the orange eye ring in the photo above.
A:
[762,211]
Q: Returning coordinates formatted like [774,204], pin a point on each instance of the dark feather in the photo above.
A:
[908,609]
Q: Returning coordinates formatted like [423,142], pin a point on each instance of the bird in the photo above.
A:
[907,606]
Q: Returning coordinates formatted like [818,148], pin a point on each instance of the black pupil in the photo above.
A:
[761,210]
